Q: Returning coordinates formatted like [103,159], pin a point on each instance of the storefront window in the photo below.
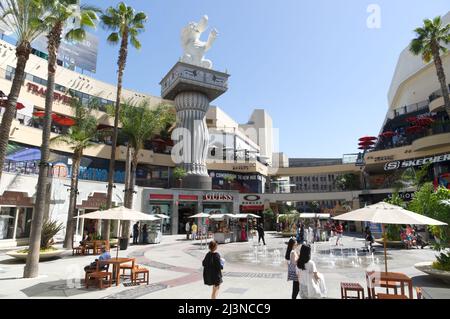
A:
[166,209]
[23,222]
[7,220]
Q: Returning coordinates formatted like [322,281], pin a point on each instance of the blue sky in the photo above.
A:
[315,66]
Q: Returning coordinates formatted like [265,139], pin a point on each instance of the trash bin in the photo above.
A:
[123,243]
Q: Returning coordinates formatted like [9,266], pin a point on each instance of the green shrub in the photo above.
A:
[49,229]
[442,262]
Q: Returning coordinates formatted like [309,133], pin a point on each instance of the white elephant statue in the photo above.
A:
[195,49]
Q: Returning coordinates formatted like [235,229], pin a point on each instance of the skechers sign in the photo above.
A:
[416,162]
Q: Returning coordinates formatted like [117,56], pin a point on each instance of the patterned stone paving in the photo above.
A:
[253,275]
[137,292]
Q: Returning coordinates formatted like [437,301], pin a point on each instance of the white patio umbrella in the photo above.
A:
[314,215]
[200,215]
[162,216]
[118,213]
[384,213]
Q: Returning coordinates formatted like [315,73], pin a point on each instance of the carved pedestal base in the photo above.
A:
[197,182]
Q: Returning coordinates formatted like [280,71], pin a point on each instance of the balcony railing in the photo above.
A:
[404,139]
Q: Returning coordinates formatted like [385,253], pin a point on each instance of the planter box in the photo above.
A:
[439,274]
[42,256]
[391,244]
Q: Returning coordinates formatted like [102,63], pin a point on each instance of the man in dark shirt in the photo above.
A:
[260,230]
[135,233]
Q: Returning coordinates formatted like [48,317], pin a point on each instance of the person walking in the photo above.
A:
[135,233]
[212,269]
[339,231]
[194,231]
[291,257]
[301,234]
[187,228]
[145,234]
[260,230]
[312,285]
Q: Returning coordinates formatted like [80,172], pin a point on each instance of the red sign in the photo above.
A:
[218,197]
[36,89]
[252,208]
[188,197]
[161,196]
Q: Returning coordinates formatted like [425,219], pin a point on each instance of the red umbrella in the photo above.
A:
[388,134]
[414,129]
[425,121]
[39,113]
[364,143]
[368,138]
[411,119]
[65,121]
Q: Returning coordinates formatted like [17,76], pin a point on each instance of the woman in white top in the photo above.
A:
[291,258]
[307,272]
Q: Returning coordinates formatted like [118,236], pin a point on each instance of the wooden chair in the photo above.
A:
[100,275]
[370,280]
[130,267]
[79,250]
[346,287]
[136,275]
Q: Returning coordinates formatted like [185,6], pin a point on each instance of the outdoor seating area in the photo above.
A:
[92,247]
[122,268]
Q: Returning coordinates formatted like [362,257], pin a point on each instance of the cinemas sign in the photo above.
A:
[41,91]
[416,162]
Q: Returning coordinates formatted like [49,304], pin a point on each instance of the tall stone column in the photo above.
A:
[191,111]
[192,88]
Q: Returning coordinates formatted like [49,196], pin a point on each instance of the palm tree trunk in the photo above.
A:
[441,76]
[112,162]
[130,191]
[32,265]
[23,51]
[127,175]
[70,227]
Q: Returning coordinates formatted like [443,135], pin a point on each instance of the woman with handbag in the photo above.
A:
[291,258]
[312,284]
[212,269]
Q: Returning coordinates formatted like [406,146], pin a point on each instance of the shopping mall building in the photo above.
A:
[257,179]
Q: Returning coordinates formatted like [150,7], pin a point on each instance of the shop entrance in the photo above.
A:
[185,210]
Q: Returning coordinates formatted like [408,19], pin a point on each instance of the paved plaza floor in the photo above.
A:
[251,272]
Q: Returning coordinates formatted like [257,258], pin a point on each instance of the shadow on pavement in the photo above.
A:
[59,288]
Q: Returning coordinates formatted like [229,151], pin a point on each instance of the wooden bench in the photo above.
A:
[136,275]
[351,286]
[80,250]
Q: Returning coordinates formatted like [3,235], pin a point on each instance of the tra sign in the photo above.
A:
[416,162]
[39,90]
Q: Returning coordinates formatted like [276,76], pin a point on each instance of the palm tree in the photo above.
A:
[58,15]
[125,25]
[79,137]
[428,44]
[139,124]
[21,17]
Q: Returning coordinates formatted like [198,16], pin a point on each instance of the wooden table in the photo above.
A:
[401,278]
[116,262]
